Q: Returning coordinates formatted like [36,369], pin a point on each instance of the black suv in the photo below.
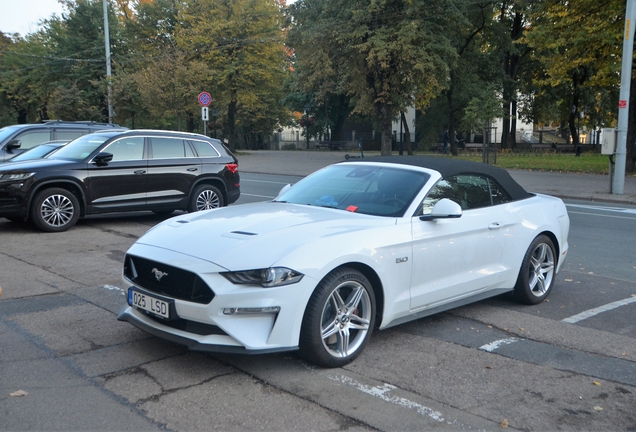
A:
[114,171]
[18,138]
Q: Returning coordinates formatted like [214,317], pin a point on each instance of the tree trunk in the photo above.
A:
[385,117]
[505,127]
[512,130]
[407,134]
[630,159]
[231,122]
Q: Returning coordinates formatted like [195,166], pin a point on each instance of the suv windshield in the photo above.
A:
[82,147]
[6,131]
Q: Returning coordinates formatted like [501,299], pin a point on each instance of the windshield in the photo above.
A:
[5,132]
[82,147]
[34,153]
[366,189]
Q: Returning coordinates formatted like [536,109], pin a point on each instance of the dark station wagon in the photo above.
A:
[115,171]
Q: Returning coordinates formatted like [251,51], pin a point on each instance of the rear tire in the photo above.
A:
[339,319]
[55,210]
[536,276]
[205,197]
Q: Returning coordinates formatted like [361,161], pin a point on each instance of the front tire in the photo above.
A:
[538,269]
[55,210]
[205,197]
[339,319]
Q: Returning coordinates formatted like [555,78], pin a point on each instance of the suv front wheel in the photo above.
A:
[55,210]
[205,197]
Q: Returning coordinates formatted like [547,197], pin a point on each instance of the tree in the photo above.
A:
[25,70]
[508,31]
[578,46]
[382,54]
[241,44]
[471,70]
[76,44]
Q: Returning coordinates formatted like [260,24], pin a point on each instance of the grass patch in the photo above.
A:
[559,162]
[589,163]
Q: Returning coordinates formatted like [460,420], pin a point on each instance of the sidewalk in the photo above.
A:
[586,187]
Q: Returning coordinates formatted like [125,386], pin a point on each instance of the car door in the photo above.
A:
[459,257]
[172,170]
[121,183]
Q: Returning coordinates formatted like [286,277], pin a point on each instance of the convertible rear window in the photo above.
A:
[470,191]
[372,190]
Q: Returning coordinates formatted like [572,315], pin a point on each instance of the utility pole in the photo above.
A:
[108,71]
[623,104]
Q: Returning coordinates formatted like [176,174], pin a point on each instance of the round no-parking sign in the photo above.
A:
[205,99]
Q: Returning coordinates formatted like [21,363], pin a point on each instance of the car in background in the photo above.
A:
[115,171]
[18,138]
[39,152]
[363,244]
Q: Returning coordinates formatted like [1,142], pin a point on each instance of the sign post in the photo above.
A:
[205,100]
[623,103]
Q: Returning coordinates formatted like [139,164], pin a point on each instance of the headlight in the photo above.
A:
[15,176]
[269,277]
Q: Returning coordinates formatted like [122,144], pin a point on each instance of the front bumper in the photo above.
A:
[215,326]
[210,343]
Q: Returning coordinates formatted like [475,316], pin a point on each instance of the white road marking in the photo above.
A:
[593,312]
[382,393]
[258,196]
[601,215]
[493,346]
[602,208]
[263,181]
[114,288]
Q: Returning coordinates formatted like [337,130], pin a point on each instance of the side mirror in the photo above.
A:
[444,209]
[283,190]
[103,158]
[13,144]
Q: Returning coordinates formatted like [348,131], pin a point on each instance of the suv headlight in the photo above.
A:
[268,278]
[15,177]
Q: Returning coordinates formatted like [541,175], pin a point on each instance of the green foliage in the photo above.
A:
[384,55]
[241,44]
[577,45]
[460,62]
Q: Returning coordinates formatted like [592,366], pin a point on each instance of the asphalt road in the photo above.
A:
[567,364]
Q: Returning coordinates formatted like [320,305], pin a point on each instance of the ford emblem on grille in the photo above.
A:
[158,274]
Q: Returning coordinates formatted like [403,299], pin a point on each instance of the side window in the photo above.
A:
[445,188]
[69,134]
[470,191]
[127,149]
[499,196]
[205,149]
[33,138]
[481,191]
[167,148]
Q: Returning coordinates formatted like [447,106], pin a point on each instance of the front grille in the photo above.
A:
[167,280]
[191,326]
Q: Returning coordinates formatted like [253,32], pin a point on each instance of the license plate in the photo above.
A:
[148,303]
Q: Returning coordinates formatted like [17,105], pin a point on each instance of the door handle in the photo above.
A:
[495,226]
[193,169]
[140,172]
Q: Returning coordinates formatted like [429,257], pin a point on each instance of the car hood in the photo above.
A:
[254,235]
[32,165]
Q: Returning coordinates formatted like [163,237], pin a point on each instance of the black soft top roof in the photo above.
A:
[448,167]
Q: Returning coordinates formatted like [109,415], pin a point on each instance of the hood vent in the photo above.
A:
[243,233]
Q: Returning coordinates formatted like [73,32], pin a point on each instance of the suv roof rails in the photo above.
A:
[86,122]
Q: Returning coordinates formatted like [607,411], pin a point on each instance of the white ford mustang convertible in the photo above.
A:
[359,245]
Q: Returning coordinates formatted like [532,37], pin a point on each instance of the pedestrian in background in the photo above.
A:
[445,140]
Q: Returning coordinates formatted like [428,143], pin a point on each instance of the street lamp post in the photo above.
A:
[108,70]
